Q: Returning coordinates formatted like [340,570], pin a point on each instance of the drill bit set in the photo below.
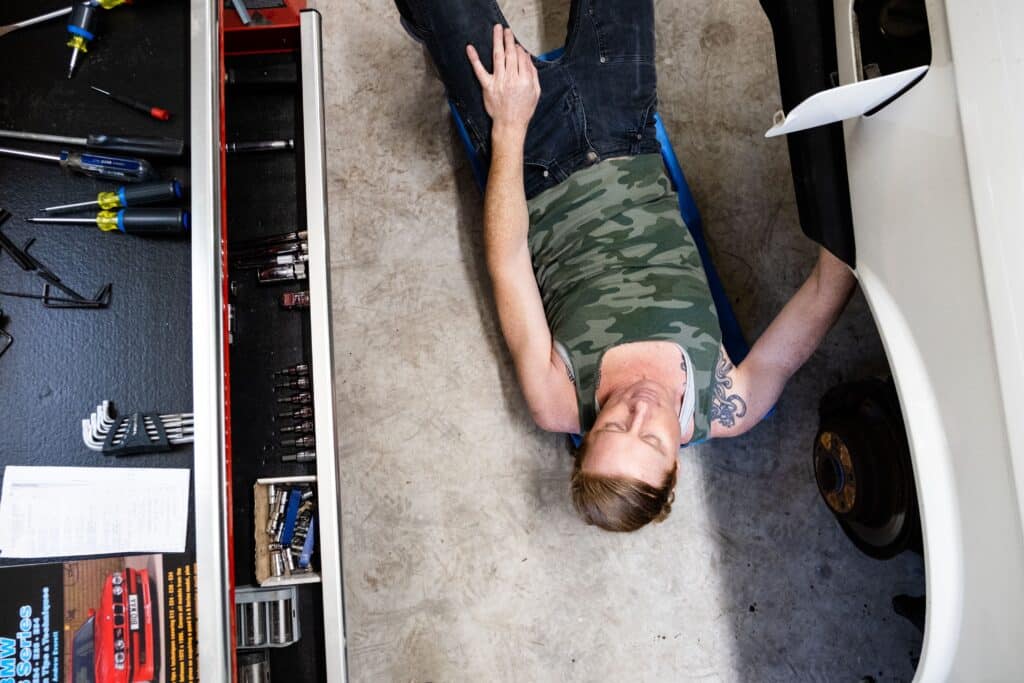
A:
[286,539]
[298,434]
[137,433]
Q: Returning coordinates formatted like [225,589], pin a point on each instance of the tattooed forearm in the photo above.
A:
[726,407]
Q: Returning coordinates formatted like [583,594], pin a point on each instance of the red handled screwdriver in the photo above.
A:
[155,112]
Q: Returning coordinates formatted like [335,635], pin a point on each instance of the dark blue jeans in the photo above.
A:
[597,100]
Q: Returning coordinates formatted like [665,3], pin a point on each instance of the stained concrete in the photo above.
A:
[463,559]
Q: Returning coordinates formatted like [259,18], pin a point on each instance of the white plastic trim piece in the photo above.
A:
[934,479]
[844,102]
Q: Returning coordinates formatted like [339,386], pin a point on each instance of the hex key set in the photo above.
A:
[137,433]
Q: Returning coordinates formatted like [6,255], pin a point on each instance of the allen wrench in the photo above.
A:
[136,433]
[29,263]
[5,337]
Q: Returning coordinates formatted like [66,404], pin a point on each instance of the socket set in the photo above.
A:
[298,435]
[277,258]
[285,530]
[266,617]
[254,667]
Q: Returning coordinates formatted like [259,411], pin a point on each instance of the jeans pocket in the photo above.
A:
[624,30]
[539,176]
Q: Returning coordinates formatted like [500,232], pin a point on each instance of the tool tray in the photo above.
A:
[161,346]
[136,352]
[265,197]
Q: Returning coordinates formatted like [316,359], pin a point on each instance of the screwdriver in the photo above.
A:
[4,30]
[134,195]
[131,221]
[117,169]
[156,112]
[80,26]
[133,144]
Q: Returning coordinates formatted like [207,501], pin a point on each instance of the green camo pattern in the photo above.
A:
[616,264]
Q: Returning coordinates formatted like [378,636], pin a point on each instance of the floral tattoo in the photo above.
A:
[726,407]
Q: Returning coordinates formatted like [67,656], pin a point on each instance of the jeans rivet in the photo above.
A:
[639,136]
[546,174]
[591,156]
[603,59]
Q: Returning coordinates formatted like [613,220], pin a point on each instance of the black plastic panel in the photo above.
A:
[137,352]
[805,50]
[893,35]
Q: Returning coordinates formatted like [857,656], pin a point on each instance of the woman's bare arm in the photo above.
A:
[511,93]
[744,394]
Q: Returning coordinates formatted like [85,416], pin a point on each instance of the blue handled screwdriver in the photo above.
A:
[117,169]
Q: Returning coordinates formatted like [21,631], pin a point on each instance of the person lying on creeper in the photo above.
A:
[600,292]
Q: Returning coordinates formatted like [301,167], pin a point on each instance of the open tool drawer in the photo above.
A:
[243,334]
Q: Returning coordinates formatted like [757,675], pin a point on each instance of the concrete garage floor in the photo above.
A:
[463,558]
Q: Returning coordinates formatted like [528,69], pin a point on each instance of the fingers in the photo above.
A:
[529,69]
[525,63]
[509,58]
[498,40]
[511,53]
[482,74]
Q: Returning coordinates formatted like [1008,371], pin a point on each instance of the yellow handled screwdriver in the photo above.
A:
[81,26]
[131,221]
[127,195]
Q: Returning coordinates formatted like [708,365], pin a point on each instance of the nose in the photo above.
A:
[637,418]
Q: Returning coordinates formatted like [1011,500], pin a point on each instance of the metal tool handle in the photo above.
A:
[137,144]
[243,12]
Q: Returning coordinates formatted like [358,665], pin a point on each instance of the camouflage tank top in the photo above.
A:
[615,264]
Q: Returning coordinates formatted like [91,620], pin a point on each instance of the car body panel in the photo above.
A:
[936,186]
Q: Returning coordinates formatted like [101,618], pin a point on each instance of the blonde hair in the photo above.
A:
[619,503]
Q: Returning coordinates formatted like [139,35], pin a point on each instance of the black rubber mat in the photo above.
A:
[138,351]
